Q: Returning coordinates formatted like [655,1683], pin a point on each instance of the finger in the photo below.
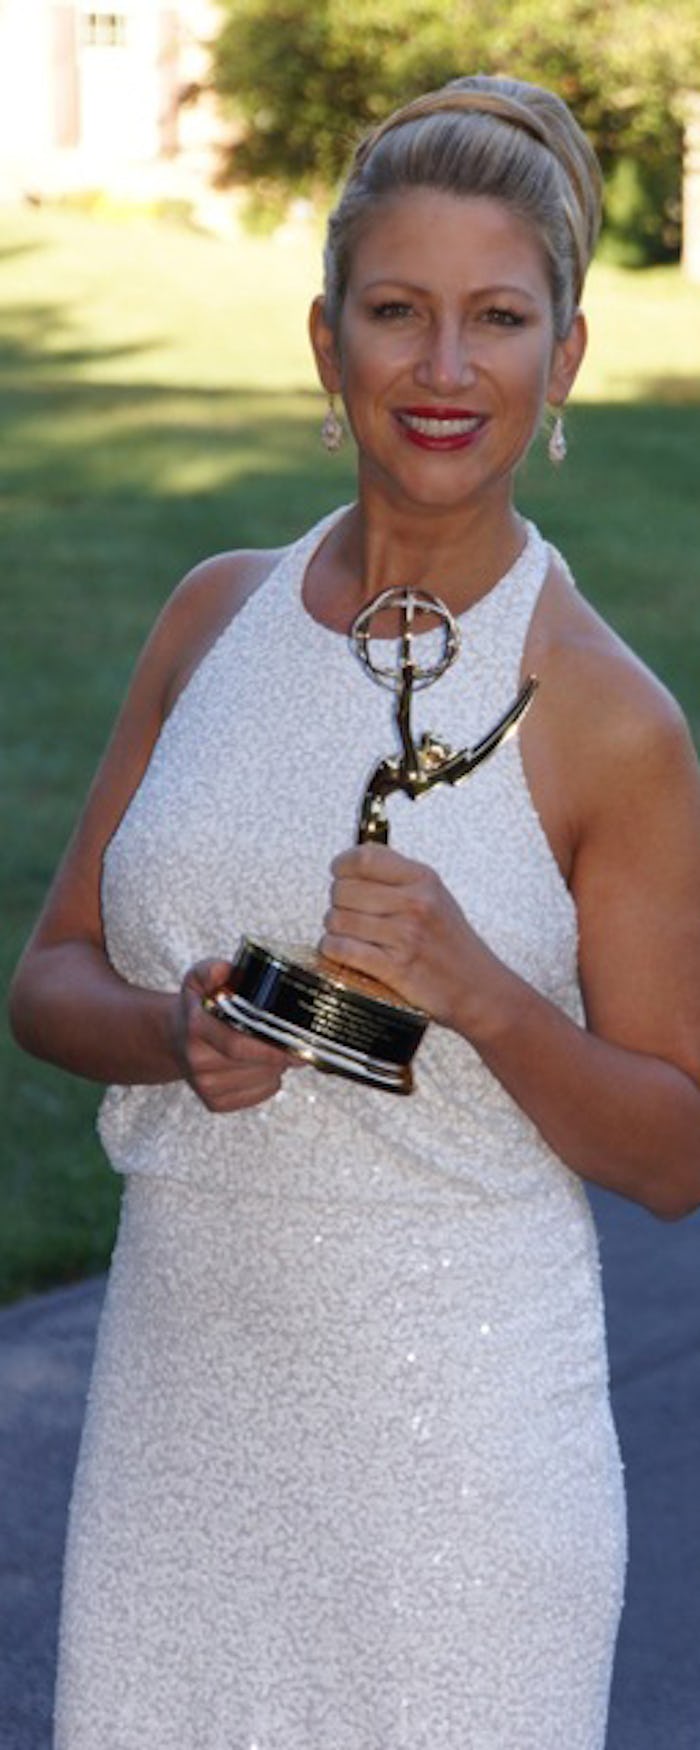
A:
[249,1079]
[362,926]
[357,955]
[207,976]
[221,1036]
[249,1049]
[224,1087]
[375,862]
[220,1095]
[259,1054]
[377,898]
[219,1079]
[388,914]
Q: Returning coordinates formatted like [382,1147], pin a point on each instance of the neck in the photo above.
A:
[458,554]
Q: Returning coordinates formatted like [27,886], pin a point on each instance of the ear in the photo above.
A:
[566,360]
[325,347]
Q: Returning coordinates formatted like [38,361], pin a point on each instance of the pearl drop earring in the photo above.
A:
[557,446]
[332,429]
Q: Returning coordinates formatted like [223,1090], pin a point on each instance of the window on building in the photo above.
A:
[104,30]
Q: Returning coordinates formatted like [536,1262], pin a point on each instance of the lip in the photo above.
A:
[440,428]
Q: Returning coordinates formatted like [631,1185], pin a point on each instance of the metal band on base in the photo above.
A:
[329,1018]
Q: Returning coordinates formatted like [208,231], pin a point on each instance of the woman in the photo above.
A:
[349,1479]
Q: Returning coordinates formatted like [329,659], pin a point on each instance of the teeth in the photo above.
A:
[440,427]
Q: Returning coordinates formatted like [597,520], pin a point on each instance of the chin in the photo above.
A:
[432,494]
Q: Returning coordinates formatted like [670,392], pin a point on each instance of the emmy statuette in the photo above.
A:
[335,1018]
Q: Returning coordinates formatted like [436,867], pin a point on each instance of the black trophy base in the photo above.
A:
[338,1020]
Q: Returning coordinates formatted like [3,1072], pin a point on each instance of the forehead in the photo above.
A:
[427,236]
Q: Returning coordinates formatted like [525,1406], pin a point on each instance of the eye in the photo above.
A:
[391,310]
[500,317]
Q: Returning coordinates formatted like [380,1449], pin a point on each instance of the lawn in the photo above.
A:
[159,403]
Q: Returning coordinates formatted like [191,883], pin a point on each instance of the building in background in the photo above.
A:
[97,99]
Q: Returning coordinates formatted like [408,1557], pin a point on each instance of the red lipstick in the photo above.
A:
[440,428]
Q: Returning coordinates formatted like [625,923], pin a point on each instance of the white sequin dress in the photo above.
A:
[348,1479]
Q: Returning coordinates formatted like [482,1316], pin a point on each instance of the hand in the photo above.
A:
[395,920]
[228,1070]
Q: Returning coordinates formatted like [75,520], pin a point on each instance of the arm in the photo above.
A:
[620,1102]
[67,1002]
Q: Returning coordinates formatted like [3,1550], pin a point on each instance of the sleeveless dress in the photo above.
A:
[348,1479]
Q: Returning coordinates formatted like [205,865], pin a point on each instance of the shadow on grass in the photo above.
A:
[15,251]
[31,349]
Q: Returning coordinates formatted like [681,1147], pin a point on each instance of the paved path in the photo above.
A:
[652,1276]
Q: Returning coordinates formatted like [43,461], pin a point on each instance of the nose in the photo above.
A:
[446,363]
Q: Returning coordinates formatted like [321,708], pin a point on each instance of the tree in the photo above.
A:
[303,82]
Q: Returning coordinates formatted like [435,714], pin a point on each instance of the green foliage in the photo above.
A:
[637,195]
[303,82]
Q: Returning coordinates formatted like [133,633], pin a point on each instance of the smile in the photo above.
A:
[444,430]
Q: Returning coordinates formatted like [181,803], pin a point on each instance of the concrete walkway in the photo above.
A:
[652,1275]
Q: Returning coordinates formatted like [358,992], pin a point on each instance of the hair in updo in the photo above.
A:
[503,138]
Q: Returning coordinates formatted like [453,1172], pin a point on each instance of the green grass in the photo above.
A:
[159,403]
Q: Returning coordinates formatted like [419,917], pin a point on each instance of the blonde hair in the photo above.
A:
[502,138]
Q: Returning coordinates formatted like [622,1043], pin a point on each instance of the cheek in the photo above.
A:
[371,358]
[365,379]
[532,378]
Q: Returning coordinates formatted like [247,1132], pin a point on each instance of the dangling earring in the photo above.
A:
[332,429]
[557,446]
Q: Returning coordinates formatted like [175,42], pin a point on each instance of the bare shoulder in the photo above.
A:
[607,752]
[204,603]
[610,714]
[615,760]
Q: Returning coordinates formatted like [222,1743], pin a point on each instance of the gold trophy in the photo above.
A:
[335,1018]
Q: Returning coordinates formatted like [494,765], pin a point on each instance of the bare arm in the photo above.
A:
[67,1003]
[619,1102]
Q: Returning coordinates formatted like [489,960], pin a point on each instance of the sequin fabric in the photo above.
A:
[348,1479]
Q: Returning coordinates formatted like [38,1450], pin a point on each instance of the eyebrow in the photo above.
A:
[424,291]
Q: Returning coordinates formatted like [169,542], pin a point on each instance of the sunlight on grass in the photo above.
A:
[644,337]
[149,302]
